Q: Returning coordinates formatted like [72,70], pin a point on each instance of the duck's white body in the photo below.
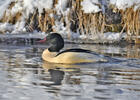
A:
[70,57]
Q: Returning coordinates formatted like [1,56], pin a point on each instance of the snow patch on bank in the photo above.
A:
[123,4]
[90,6]
[6,27]
[25,6]
[31,5]
[108,37]
[61,6]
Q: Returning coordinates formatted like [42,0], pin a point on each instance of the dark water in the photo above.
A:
[24,76]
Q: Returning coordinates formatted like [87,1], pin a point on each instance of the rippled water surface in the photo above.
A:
[24,75]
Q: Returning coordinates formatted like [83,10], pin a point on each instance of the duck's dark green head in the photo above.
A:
[55,42]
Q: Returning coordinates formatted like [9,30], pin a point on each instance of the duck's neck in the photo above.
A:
[53,49]
[47,55]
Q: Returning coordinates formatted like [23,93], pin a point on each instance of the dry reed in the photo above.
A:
[131,20]
[78,21]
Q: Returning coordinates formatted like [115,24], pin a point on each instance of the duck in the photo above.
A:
[53,53]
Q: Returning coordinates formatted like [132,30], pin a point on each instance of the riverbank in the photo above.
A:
[32,38]
[102,21]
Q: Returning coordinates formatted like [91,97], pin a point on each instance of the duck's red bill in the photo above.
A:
[42,41]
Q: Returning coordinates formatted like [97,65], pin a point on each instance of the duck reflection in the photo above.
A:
[57,71]
[56,76]
[47,66]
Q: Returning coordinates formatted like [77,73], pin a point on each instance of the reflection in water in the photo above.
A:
[129,51]
[57,71]
[97,81]
[56,76]
[25,76]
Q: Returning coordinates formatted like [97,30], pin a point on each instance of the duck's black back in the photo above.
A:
[78,50]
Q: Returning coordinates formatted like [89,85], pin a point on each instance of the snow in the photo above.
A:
[17,8]
[90,6]
[25,7]
[3,6]
[47,4]
[123,4]
[31,5]
[112,36]
[19,27]
[59,27]
[14,29]
[61,6]
[28,6]
[108,37]
[6,27]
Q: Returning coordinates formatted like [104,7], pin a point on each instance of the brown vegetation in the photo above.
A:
[78,21]
[131,22]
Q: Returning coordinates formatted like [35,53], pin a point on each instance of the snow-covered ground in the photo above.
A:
[108,37]
[123,4]
[88,6]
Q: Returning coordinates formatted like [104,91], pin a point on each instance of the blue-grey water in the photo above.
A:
[25,76]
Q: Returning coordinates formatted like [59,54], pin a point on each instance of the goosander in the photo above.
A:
[69,56]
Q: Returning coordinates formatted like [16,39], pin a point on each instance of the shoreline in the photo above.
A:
[32,38]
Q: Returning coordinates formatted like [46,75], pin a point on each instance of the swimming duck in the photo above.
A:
[69,56]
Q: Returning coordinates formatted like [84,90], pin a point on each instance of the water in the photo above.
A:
[24,75]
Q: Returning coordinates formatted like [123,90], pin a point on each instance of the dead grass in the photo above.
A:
[8,17]
[85,23]
[131,20]
[77,20]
